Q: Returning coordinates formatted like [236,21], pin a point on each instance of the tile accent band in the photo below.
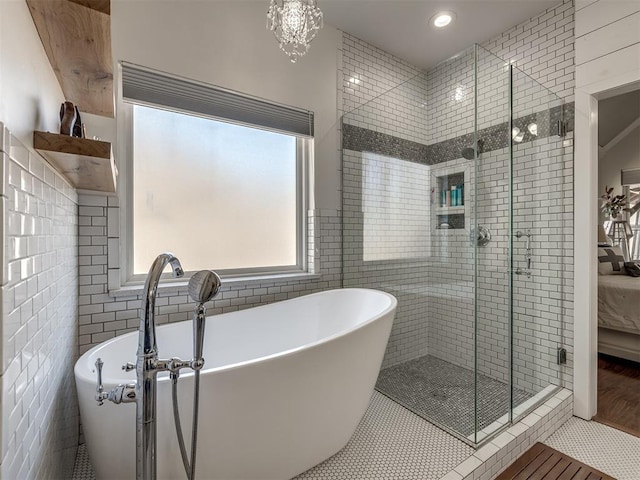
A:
[495,137]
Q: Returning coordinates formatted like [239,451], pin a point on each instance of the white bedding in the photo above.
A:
[619,302]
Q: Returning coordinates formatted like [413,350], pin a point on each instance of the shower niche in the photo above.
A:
[448,200]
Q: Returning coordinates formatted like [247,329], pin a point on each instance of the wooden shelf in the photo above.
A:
[76,35]
[87,164]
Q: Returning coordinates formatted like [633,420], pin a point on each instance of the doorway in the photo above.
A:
[618,285]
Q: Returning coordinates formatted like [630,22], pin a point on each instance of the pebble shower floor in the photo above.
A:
[444,393]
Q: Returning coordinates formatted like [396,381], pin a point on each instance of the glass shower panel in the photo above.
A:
[439,174]
[450,362]
[492,325]
[407,216]
[540,232]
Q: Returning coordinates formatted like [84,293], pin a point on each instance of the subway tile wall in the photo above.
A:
[436,289]
[391,264]
[374,81]
[543,191]
[39,317]
[104,315]
[541,304]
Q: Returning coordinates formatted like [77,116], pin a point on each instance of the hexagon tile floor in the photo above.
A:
[392,443]
[389,443]
[607,449]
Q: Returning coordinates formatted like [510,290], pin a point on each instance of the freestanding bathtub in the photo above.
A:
[283,388]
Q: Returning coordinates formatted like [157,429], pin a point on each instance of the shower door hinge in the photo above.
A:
[562,356]
[562,128]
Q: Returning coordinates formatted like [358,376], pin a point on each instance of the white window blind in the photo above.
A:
[141,85]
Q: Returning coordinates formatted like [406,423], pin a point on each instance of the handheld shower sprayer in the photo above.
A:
[203,286]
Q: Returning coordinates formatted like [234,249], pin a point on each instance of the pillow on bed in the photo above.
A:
[632,269]
[610,261]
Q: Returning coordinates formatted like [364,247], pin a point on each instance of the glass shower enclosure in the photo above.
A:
[452,200]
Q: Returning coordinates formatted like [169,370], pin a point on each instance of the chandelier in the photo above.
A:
[294,24]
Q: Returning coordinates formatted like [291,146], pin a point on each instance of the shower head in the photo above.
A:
[204,285]
[470,152]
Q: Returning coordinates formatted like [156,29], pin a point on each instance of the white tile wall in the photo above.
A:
[382,92]
[543,48]
[103,315]
[450,98]
[39,317]
[371,263]
[436,296]
[542,304]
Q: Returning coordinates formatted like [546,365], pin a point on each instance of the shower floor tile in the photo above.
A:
[389,443]
[442,392]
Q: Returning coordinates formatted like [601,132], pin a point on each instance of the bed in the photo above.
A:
[619,316]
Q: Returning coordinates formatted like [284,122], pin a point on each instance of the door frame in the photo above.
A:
[585,324]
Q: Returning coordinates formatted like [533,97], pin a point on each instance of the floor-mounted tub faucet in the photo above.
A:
[144,392]
[203,287]
[147,368]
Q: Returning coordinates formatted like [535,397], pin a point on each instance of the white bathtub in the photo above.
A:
[283,388]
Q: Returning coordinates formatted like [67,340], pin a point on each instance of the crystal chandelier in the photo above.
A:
[294,23]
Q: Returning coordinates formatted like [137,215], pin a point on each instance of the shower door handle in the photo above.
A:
[527,254]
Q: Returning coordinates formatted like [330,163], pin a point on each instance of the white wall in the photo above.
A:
[607,43]
[624,155]
[607,63]
[40,275]
[30,95]
[226,43]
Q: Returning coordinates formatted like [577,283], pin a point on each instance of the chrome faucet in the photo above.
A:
[203,286]
[147,368]
[144,391]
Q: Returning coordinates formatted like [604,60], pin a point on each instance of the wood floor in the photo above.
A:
[541,462]
[619,394]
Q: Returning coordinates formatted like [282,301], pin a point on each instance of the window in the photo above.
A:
[219,193]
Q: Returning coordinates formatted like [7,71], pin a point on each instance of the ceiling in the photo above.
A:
[401,27]
[615,114]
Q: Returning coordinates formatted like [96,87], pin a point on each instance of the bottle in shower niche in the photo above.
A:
[461,193]
[454,196]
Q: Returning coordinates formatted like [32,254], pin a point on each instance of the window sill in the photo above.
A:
[173,287]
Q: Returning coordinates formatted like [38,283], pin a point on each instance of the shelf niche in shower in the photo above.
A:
[449,201]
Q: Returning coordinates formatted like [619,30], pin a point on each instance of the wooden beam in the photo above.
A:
[615,140]
[77,40]
[103,6]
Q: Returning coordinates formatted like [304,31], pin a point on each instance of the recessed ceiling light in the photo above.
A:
[442,19]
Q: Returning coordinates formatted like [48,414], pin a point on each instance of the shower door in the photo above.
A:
[491,243]
[541,234]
